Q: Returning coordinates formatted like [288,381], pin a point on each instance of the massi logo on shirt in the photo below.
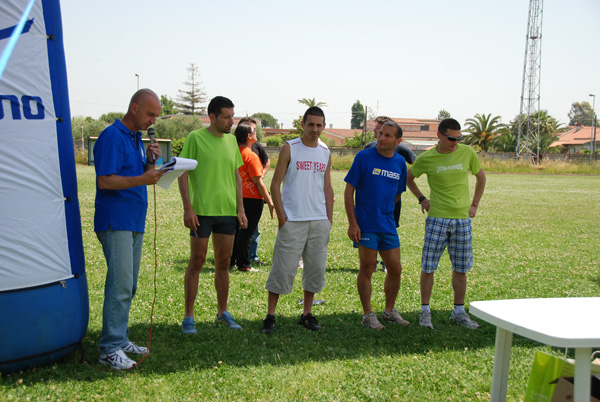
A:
[451,167]
[386,173]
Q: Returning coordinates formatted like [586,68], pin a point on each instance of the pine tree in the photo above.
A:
[358,115]
[190,100]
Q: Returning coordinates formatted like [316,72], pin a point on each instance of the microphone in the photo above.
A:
[151,133]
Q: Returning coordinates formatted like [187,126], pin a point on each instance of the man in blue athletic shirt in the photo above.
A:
[401,149]
[378,177]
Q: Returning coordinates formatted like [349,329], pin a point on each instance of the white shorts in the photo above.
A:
[308,239]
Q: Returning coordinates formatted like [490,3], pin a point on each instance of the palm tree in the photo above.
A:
[311,102]
[546,139]
[483,129]
[549,128]
[443,114]
[506,141]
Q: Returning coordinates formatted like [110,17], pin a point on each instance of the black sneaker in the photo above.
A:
[269,324]
[310,322]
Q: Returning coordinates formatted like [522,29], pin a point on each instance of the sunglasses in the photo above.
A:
[453,139]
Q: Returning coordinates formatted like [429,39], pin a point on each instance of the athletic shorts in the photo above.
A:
[457,235]
[378,241]
[218,224]
[308,239]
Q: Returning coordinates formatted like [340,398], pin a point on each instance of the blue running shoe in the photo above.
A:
[226,318]
[189,326]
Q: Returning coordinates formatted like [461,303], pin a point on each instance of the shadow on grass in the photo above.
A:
[350,270]
[180,264]
[342,338]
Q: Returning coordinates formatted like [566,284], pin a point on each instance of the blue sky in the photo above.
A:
[400,58]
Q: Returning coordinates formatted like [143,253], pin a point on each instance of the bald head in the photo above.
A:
[143,95]
[144,108]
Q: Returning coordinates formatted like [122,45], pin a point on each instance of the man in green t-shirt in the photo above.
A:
[212,204]
[450,211]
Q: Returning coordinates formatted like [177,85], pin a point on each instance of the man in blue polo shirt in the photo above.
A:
[122,172]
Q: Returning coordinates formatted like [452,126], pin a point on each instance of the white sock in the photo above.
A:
[425,308]
[459,309]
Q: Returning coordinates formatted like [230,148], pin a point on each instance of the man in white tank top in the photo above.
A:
[304,210]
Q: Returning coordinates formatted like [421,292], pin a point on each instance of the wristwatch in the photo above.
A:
[422,198]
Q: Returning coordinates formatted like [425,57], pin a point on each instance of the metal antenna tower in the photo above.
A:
[530,91]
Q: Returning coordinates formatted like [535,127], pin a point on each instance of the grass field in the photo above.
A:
[535,236]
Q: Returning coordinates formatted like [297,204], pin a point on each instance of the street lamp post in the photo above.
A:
[138,81]
[593,147]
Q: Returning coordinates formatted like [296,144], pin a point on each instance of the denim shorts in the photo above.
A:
[219,224]
[457,235]
[378,241]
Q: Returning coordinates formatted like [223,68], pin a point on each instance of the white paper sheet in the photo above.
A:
[175,168]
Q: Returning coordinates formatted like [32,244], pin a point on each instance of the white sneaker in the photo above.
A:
[425,319]
[116,360]
[464,320]
[135,349]
[370,321]
[394,317]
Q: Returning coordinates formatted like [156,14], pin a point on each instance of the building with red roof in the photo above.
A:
[576,139]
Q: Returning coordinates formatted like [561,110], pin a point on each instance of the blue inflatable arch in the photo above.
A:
[44,308]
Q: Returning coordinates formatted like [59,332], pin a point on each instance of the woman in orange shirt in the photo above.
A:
[255,195]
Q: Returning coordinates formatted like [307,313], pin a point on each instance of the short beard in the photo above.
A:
[225,130]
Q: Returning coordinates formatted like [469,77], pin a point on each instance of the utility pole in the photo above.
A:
[530,90]
[593,144]
[365,128]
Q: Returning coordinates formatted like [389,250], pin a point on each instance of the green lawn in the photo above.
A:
[535,236]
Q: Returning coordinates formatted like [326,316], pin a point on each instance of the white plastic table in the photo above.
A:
[561,322]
